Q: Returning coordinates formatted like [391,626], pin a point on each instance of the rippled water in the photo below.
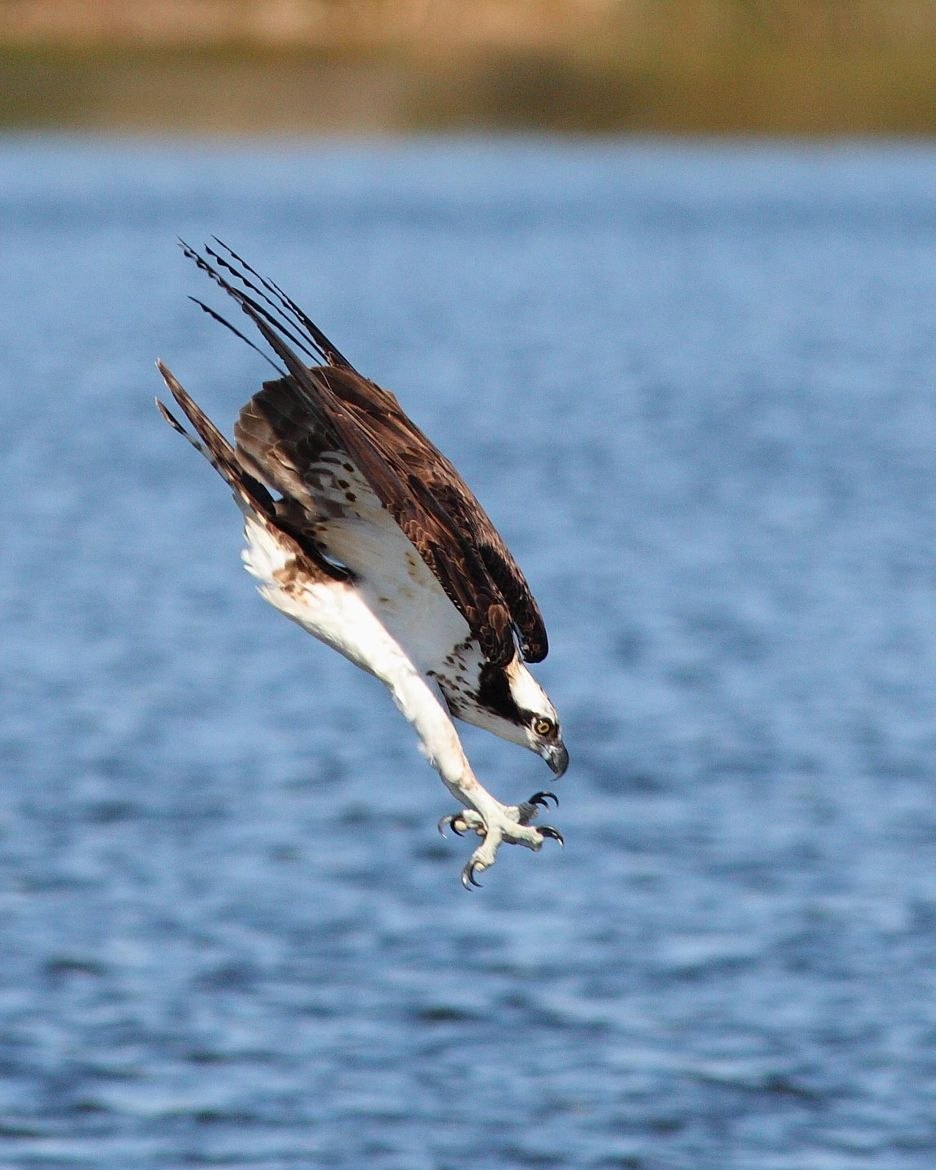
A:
[696,387]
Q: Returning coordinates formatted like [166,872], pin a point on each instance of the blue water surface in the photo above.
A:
[695,386]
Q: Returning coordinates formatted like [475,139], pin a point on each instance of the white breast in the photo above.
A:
[344,616]
[394,590]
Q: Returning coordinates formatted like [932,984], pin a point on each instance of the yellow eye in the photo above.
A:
[544,726]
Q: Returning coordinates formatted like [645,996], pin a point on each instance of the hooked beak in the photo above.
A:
[558,758]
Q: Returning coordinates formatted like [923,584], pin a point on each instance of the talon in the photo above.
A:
[549,831]
[468,878]
[543,799]
[449,821]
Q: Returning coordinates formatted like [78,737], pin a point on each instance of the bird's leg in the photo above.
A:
[480,812]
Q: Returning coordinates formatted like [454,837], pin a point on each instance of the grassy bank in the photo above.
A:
[711,66]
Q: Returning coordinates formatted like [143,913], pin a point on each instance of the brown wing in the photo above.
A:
[332,407]
[435,482]
[285,430]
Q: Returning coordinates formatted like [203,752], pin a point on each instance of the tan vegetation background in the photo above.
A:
[321,66]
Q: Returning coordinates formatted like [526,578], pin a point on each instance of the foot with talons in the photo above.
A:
[502,824]
[468,819]
[483,857]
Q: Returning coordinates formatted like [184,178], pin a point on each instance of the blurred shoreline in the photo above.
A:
[793,67]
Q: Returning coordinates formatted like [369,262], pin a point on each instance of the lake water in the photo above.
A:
[695,385]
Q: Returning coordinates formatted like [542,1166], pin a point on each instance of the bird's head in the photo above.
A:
[512,704]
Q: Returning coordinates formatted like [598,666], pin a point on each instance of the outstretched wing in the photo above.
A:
[284,430]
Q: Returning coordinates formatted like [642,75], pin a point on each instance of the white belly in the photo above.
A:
[345,617]
[395,607]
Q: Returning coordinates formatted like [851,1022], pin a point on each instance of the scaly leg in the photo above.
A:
[481,813]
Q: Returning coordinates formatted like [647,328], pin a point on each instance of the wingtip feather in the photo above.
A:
[169,417]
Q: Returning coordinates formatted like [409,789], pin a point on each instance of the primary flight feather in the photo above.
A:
[363,533]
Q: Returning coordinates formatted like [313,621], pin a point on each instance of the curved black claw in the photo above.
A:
[449,822]
[468,878]
[543,799]
[549,831]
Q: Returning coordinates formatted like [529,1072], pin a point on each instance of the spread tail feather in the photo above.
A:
[250,493]
[214,446]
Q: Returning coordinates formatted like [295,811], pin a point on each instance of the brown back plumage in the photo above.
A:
[331,407]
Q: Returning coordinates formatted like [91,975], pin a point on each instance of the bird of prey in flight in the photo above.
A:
[363,533]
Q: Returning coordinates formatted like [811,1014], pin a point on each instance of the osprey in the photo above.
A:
[363,533]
